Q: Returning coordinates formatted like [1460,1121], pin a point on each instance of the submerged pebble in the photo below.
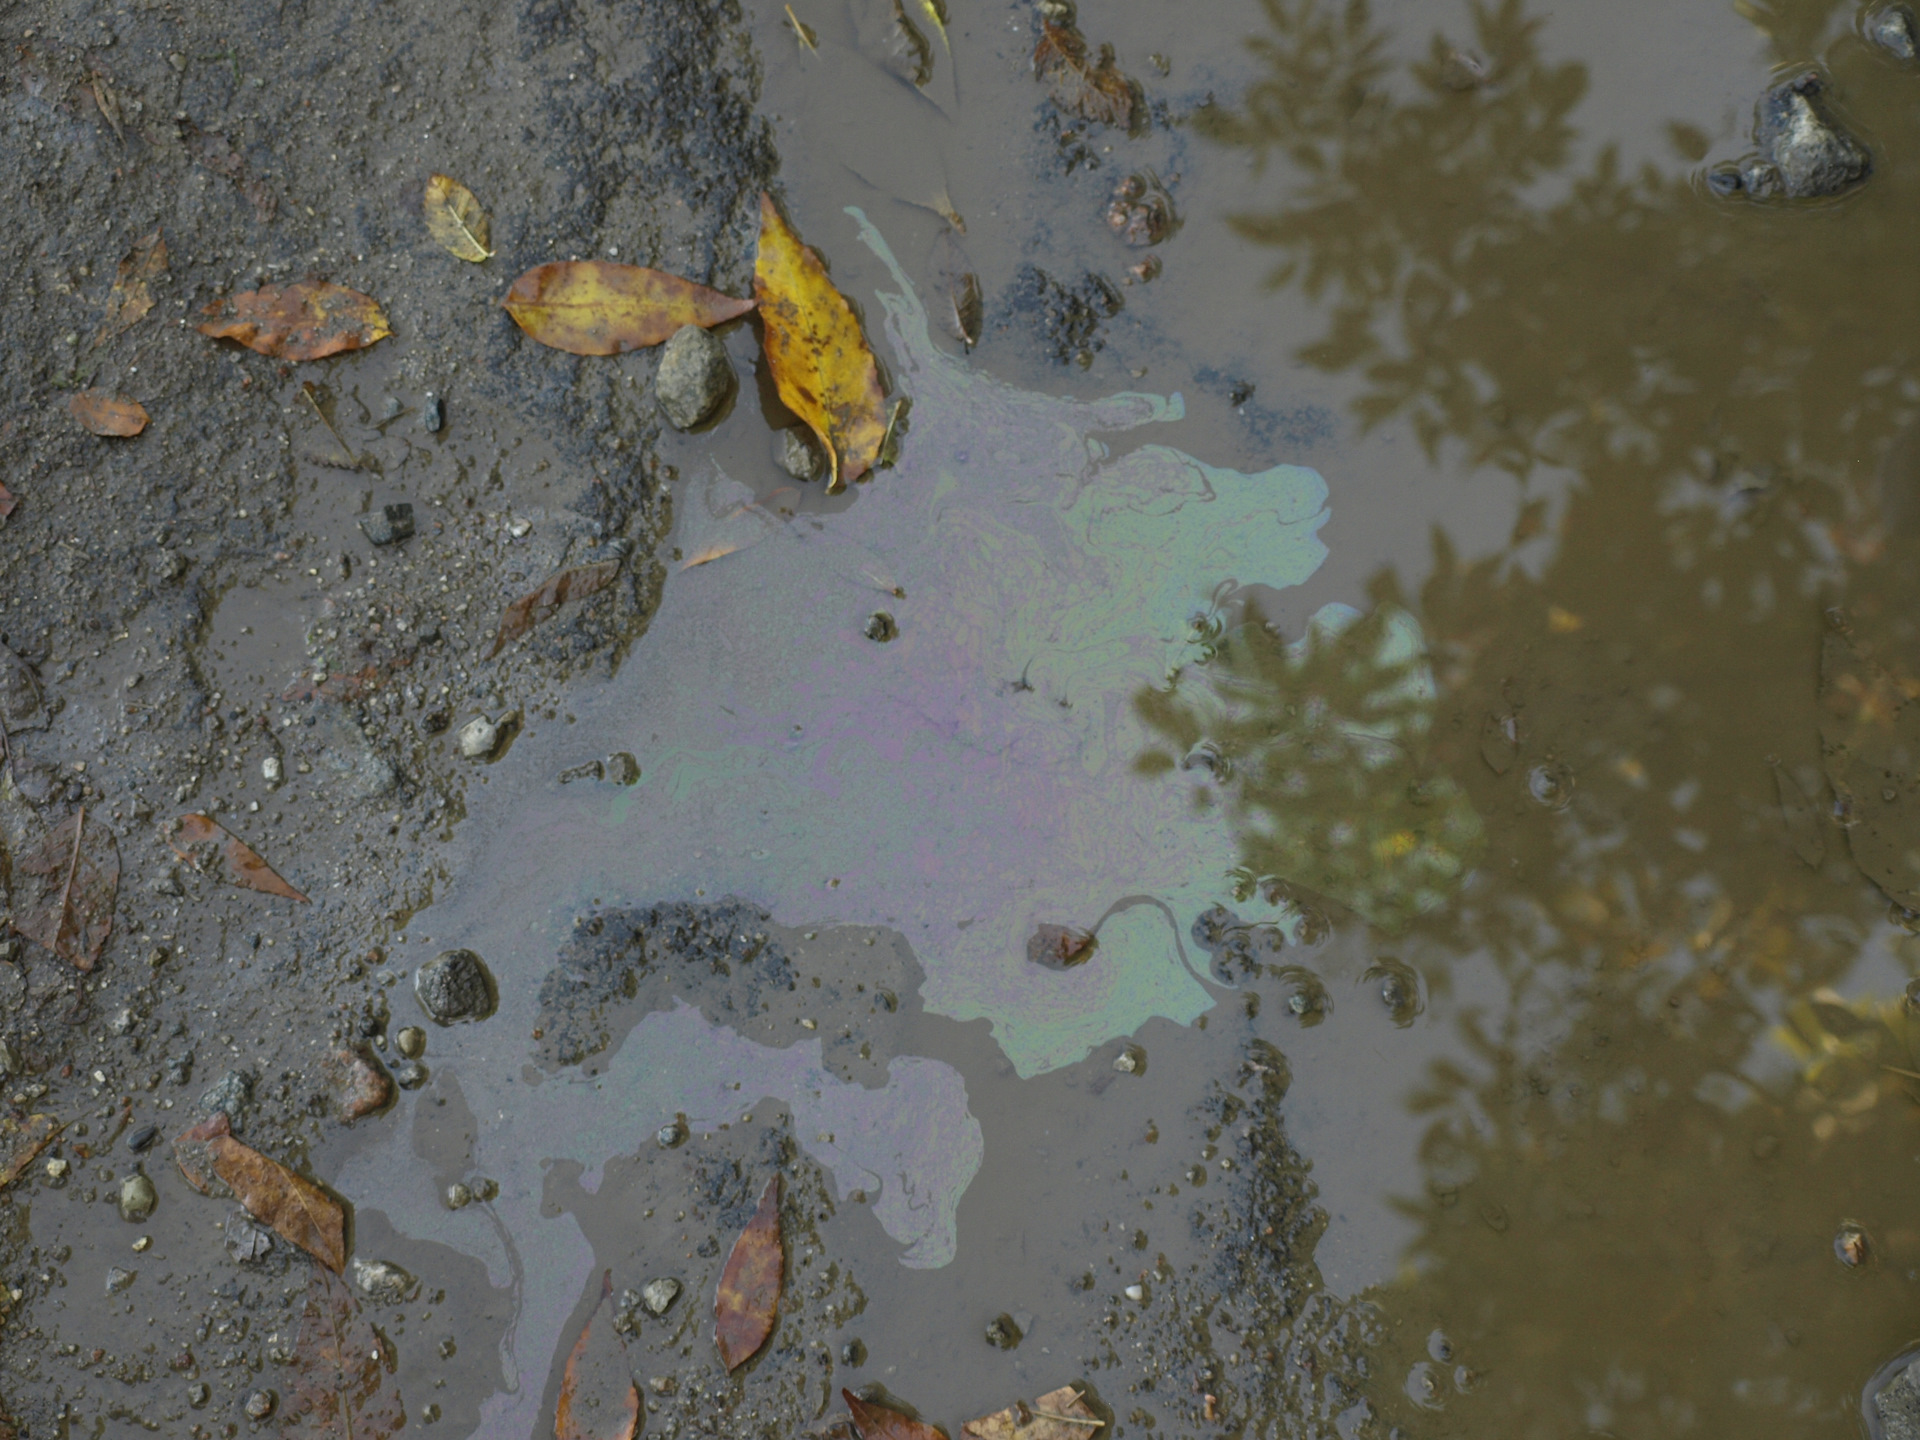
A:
[411,1042]
[1892,28]
[694,378]
[453,986]
[795,452]
[382,1280]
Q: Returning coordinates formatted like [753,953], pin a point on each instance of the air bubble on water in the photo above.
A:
[1307,999]
[1399,989]
[1424,1386]
[1551,785]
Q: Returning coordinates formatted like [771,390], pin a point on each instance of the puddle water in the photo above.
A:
[1446,651]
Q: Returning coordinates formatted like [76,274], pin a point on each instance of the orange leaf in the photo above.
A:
[68,908]
[541,603]
[877,1422]
[306,320]
[106,414]
[1097,91]
[297,1209]
[820,360]
[245,868]
[599,307]
[341,1380]
[598,1399]
[749,1290]
[22,1142]
[130,297]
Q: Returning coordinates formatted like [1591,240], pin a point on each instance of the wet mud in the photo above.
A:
[1327,849]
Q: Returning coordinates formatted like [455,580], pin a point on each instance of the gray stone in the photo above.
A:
[478,738]
[411,1042]
[118,1279]
[658,1295]
[382,1281]
[247,1240]
[1804,153]
[1897,1403]
[694,377]
[454,986]
[794,451]
[410,1075]
[433,414]
[260,1404]
[137,1198]
[390,525]
[231,1095]
[1892,28]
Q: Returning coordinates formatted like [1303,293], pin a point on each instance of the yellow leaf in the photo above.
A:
[820,360]
[455,219]
[937,12]
[598,307]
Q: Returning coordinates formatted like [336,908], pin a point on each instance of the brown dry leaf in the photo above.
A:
[109,106]
[599,307]
[342,1377]
[542,603]
[21,1142]
[203,842]
[296,1208]
[749,1292]
[131,296]
[1058,1415]
[878,1422]
[598,1399]
[821,363]
[106,414]
[306,320]
[455,219]
[962,308]
[1093,90]
[72,879]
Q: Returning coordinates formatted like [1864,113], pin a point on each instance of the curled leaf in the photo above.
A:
[1094,90]
[881,1422]
[543,602]
[106,414]
[342,1378]
[598,1399]
[821,364]
[73,879]
[298,1210]
[961,308]
[21,1142]
[1061,1414]
[306,320]
[455,219]
[749,1292]
[204,843]
[598,307]
[131,296]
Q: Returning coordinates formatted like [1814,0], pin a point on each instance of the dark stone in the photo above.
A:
[143,1138]
[880,627]
[1893,29]
[454,986]
[853,1353]
[393,524]
[1002,1333]
[1804,153]
[1897,1403]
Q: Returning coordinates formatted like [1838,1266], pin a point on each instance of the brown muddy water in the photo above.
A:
[1449,633]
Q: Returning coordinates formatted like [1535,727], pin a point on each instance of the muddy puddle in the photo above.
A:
[1332,849]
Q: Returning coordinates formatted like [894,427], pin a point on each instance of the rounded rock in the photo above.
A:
[411,1042]
[795,452]
[410,1075]
[260,1404]
[458,1196]
[671,1134]
[137,1199]
[454,986]
[695,376]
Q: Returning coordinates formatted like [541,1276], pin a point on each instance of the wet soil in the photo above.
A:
[1443,628]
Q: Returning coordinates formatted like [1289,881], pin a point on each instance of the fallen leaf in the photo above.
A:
[1097,90]
[297,1209]
[598,1399]
[802,31]
[106,414]
[21,704]
[21,1142]
[749,1291]
[130,297]
[342,1377]
[962,307]
[455,219]
[599,307]
[937,12]
[306,320]
[878,1422]
[1060,947]
[908,54]
[542,603]
[193,838]
[310,393]
[1059,1415]
[822,367]
[109,106]
[74,878]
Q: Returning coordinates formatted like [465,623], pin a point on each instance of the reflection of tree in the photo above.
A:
[1625,1218]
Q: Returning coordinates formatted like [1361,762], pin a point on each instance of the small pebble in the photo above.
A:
[454,986]
[478,738]
[433,414]
[118,1279]
[1136,1293]
[659,1295]
[458,1196]
[694,378]
[382,1280]
[137,1198]
[795,453]
[411,1042]
[271,770]
[143,1244]
[143,1137]
[198,1395]
[260,1404]
[390,524]
[410,1075]
[671,1135]
[854,1353]
[880,627]
[57,1170]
